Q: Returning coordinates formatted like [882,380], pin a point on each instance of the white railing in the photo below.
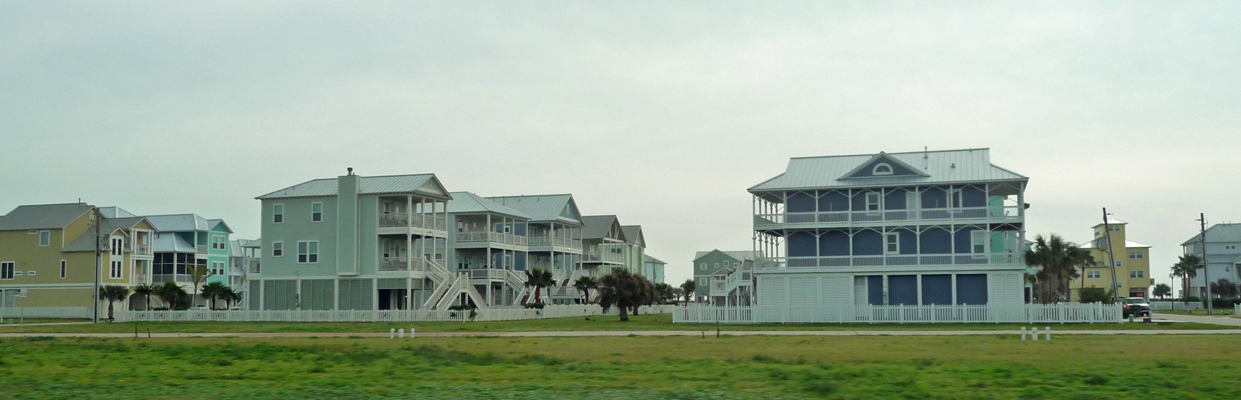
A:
[888,260]
[1006,213]
[544,241]
[608,257]
[142,249]
[493,237]
[394,220]
[56,312]
[484,314]
[1175,305]
[254,267]
[484,273]
[402,220]
[1236,309]
[1025,313]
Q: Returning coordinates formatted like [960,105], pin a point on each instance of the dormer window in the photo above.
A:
[882,169]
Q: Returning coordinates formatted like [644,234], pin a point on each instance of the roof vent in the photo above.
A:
[954,165]
[350,170]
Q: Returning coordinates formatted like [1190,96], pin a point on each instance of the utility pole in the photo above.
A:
[98,219]
[1206,267]
[1111,258]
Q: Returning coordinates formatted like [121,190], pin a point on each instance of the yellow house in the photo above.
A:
[1132,261]
[47,258]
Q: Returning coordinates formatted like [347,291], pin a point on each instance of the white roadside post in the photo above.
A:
[391,333]
[411,333]
[1047,332]
[400,333]
[1023,333]
[1035,330]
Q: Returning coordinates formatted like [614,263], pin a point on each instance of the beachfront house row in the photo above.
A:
[1131,261]
[47,258]
[917,228]
[489,245]
[554,235]
[355,243]
[1223,256]
[183,241]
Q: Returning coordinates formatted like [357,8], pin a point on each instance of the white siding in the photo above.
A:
[803,290]
[1005,288]
[771,291]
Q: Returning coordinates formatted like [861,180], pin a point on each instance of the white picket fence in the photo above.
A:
[1236,309]
[1175,305]
[49,312]
[1025,313]
[481,315]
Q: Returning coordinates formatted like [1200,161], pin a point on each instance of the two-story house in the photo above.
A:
[184,241]
[1131,261]
[918,228]
[605,245]
[1223,256]
[49,252]
[653,269]
[489,245]
[713,267]
[635,247]
[355,243]
[554,234]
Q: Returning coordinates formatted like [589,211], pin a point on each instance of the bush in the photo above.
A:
[1223,303]
[464,307]
[535,305]
[1095,295]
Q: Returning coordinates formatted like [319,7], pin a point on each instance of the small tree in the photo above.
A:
[113,294]
[1162,290]
[1224,288]
[198,274]
[687,289]
[229,296]
[213,290]
[170,292]
[539,279]
[622,289]
[1187,267]
[146,291]
[664,293]
[584,285]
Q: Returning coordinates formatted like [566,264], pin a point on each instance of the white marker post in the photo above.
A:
[392,333]
[1035,330]
[1023,333]
[411,333]
[1047,329]
[400,333]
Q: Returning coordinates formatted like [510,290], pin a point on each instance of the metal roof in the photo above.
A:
[171,242]
[366,185]
[541,208]
[179,223]
[652,260]
[942,166]
[598,226]
[737,255]
[1128,243]
[633,234]
[43,216]
[466,202]
[213,222]
[1219,233]
[115,212]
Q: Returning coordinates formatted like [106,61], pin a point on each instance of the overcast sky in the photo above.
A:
[662,113]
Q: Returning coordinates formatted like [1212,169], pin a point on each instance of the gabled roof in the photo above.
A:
[214,222]
[1219,233]
[425,184]
[110,226]
[652,260]
[736,255]
[897,168]
[598,226]
[944,166]
[633,234]
[115,212]
[172,242]
[43,216]
[544,208]
[179,223]
[466,202]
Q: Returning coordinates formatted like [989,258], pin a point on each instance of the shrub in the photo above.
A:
[1095,295]
[535,305]
[464,307]
[1223,303]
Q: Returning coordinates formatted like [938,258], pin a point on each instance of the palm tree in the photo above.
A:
[169,292]
[212,291]
[229,296]
[1162,290]
[687,289]
[146,291]
[664,293]
[539,279]
[584,285]
[198,273]
[113,294]
[1187,267]
[622,289]
[646,291]
[1057,260]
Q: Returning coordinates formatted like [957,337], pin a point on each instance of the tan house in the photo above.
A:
[47,258]
[1131,259]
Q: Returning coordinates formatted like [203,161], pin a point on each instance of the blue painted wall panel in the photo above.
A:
[802,244]
[935,197]
[833,201]
[963,240]
[903,290]
[974,196]
[867,243]
[936,289]
[874,290]
[800,202]
[834,243]
[936,241]
[972,289]
[894,200]
[909,242]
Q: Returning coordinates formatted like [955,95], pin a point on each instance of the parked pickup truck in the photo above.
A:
[1137,306]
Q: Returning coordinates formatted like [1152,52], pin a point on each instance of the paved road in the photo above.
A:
[1054,332]
[1201,319]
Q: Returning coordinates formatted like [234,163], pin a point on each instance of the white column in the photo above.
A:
[374,293]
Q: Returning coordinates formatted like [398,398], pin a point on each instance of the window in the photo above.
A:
[118,245]
[1094,274]
[1137,273]
[1113,228]
[45,238]
[308,252]
[1136,254]
[64,269]
[872,201]
[277,213]
[978,241]
[956,198]
[316,212]
[717,265]
[1230,247]
[1119,264]
[892,243]
[115,271]
[882,169]
[277,249]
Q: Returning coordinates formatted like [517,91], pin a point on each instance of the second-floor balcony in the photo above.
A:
[423,221]
[142,249]
[548,241]
[603,257]
[770,264]
[847,218]
[493,237]
[485,273]
[253,267]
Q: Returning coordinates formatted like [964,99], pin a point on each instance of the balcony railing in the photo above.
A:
[142,249]
[537,241]
[160,278]
[607,257]
[139,279]
[202,248]
[416,221]
[1007,213]
[253,267]
[485,273]
[493,237]
[889,260]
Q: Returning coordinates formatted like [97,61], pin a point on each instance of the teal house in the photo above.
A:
[356,243]
[554,234]
[185,240]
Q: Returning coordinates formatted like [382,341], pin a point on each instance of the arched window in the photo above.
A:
[882,169]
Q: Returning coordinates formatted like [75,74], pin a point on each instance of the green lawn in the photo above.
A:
[596,323]
[983,367]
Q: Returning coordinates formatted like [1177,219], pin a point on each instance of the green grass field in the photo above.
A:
[981,367]
[596,323]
